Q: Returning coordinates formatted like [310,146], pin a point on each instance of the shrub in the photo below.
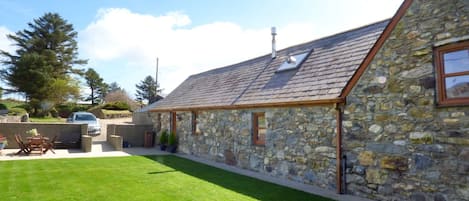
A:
[3,106]
[164,138]
[26,107]
[64,110]
[54,113]
[16,111]
[118,105]
[172,140]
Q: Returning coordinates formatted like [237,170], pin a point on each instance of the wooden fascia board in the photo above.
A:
[253,106]
[376,47]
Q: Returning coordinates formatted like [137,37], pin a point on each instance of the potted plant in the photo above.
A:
[33,132]
[172,142]
[163,140]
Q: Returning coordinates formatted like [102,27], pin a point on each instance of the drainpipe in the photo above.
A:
[339,170]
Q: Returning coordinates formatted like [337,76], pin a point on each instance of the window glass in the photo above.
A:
[259,129]
[457,61]
[457,86]
[292,62]
[452,78]
[195,124]
[84,117]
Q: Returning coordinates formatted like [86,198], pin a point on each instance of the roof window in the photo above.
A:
[292,62]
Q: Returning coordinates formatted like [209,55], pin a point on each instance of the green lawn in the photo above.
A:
[157,178]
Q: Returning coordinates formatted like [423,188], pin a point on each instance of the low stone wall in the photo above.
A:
[130,133]
[10,119]
[68,134]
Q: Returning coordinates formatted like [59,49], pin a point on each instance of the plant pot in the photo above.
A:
[172,148]
[162,147]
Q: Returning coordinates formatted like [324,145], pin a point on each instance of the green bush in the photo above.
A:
[3,106]
[172,139]
[54,113]
[164,137]
[26,107]
[64,110]
[16,111]
[118,105]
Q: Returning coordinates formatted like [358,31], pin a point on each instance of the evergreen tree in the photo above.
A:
[114,87]
[42,65]
[97,86]
[148,90]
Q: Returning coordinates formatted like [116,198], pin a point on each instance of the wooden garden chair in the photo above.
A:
[36,144]
[50,145]
[23,147]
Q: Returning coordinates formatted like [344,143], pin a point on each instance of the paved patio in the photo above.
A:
[103,149]
[99,149]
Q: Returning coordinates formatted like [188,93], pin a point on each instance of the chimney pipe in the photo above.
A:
[274,51]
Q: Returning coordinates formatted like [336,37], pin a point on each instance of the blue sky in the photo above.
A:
[122,38]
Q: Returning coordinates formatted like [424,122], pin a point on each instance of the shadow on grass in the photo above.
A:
[248,186]
[162,172]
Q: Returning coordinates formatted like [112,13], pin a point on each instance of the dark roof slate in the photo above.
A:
[323,74]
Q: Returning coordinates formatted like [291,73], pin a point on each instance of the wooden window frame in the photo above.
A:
[255,129]
[194,123]
[439,52]
[173,122]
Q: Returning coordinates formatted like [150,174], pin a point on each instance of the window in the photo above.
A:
[173,122]
[292,62]
[259,128]
[452,66]
[195,125]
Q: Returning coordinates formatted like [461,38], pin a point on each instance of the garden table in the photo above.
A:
[37,143]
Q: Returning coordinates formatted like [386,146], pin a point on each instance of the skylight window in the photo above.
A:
[292,62]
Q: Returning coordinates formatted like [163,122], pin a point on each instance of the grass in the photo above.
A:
[47,120]
[162,178]
[15,107]
[12,103]
[110,112]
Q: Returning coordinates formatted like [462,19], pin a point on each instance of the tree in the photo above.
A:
[97,86]
[120,96]
[114,87]
[148,90]
[42,66]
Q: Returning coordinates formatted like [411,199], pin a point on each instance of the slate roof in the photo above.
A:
[323,75]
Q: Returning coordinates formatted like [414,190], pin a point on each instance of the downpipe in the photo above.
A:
[344,174]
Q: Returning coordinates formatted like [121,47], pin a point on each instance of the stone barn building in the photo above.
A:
[380,111]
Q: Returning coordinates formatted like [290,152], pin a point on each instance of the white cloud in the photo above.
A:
[5,43]
[136,39]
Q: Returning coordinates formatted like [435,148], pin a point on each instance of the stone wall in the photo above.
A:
[69,135]
[399,144]
[143,118]
[299,145]
[133,134]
